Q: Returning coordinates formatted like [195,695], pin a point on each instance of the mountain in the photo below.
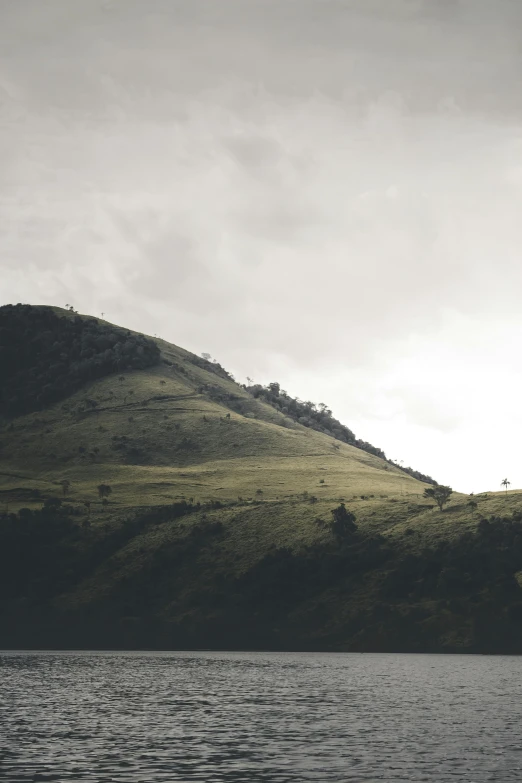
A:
[149,501]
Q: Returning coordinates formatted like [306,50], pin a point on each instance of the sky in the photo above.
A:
[326,193]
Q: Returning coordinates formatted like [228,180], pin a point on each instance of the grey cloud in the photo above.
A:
[352,48]
[254,151]
[344,220]
[284,184]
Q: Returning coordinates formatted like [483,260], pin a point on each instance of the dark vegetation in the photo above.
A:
[46,552]
[206,362]
[289,599]
[45,357]
[418,598]
[320,418]
[230,400]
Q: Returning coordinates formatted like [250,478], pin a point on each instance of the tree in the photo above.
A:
[104,490]
[440,494]
[505,483]
[343,522]
[66,485]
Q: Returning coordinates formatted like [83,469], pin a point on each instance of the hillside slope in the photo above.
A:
[216,526]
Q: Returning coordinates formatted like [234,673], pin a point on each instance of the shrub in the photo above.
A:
[343,524]
[104,490]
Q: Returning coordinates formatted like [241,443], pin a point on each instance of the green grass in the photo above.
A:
[187,441]
[183,445]
[184,438]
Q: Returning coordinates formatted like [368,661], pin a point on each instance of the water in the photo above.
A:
[149,717]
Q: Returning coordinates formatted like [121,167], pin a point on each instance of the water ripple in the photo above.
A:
[223,717]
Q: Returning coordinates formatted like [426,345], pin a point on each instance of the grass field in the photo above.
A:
[156,436]
[179,431]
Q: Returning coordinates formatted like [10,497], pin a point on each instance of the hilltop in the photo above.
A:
[148,500]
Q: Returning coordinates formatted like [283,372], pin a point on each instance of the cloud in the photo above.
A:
[310,196]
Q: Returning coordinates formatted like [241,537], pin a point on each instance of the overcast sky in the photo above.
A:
[327,193]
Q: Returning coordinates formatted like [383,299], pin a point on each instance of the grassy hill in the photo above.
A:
[217,529]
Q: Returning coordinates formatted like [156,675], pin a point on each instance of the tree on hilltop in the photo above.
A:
[505,483]
[440,494]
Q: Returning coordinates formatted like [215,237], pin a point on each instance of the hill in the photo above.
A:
[148,500]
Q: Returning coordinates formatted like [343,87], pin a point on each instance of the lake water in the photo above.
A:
[205,716]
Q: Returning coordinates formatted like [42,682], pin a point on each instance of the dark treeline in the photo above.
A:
[46,551]
[212,366]
[45,357]
[471,580]
[289,599]
[320,418]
